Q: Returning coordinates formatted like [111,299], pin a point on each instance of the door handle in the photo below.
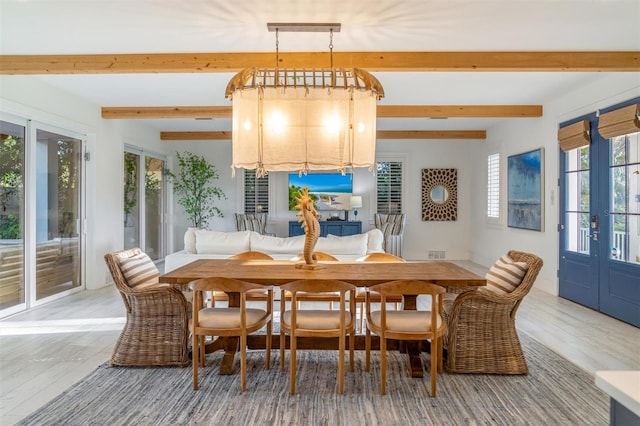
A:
[594,236]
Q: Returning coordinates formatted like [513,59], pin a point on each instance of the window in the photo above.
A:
[389,187]
[256,193]
[493,187]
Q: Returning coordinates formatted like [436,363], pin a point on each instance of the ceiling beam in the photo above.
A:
[145,112]
[467,111]
[381,134]
[612,61]
[383,111]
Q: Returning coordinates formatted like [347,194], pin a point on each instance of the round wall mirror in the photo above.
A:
[439,194]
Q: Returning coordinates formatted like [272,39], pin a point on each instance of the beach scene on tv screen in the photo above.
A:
[330,191]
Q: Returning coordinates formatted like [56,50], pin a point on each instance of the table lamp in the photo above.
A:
[356,203]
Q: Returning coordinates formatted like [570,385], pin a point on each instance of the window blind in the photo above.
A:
[389,187]
[493,186]
[574,136]
[621,121]
[256,193]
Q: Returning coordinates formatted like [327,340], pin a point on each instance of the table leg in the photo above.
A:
[227,343]
[412,348]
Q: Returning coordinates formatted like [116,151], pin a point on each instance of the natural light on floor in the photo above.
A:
[19,328]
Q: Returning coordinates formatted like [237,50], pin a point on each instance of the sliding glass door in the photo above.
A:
[41,211]
[144,202]
[12,217]
[58,212]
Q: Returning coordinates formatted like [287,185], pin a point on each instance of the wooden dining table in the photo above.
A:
[361,274]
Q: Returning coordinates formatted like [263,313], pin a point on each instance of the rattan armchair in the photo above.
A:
[157,328]
[482,336]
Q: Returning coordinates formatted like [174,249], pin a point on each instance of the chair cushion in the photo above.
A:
[406,321]
[228,318]
[505,275]
[317,319]
[139,270]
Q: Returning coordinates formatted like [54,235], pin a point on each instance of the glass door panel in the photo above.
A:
[131,204]
[154,207]
[12,218]
[58,212]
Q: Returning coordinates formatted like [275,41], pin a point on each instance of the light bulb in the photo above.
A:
[277,122]
[332,124]
[247,125]
[360,127]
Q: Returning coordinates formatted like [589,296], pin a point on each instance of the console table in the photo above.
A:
[339,228]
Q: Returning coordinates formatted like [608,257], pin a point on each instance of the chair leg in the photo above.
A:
[292,364]
[434,366]
[361,320]
[194,360]
[282,343]
[383,366]
[268,345]
[341,363]
[367,350]
[243,362]
[352,343]
[201,347]
[440,354]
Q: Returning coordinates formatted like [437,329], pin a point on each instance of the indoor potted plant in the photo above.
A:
[193,187]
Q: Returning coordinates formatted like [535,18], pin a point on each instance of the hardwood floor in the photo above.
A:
[49,348]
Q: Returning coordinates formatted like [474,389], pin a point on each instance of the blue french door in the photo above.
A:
[599,228]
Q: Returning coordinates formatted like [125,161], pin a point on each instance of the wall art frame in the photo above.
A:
[525,190]
[439,194]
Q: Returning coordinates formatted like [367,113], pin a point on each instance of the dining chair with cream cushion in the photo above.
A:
[406,324]
[332,297]
[229,321]
[375,297]
[297,322]
[259,294]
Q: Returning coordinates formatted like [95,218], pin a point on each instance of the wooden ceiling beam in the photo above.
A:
[167,112]
[383,111]
[601,61]
[381,134]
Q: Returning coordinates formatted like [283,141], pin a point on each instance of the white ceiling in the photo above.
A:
[176,26]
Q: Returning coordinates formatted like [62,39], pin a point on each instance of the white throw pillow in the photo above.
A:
[190,240]
[214,242]
[375,241]
[351,244]
[505,275]
[277,245]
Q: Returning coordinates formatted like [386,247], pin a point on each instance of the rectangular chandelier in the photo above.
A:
[303,119]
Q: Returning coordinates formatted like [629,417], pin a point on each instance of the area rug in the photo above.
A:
[555,392]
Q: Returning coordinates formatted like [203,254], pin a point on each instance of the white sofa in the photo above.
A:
[204,244]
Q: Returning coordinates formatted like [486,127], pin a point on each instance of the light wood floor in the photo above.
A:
[46,350]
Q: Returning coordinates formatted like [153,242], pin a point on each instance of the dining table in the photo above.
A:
[361,274]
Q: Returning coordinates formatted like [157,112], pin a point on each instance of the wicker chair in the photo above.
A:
[157,327]
[482,336]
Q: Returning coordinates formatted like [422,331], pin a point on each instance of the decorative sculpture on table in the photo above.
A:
[308,216]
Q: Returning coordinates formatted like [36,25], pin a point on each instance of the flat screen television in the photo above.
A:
[330,191]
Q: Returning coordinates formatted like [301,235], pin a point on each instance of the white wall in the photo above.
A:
[487,241]
[420,236]
[30,98]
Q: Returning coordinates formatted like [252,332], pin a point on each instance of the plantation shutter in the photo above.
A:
[256,193]
[389,187]
[493,186]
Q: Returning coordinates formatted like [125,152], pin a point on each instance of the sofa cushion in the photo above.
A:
[214,242]
[139,270]
[351,244]
[277,245]
[375,240]
[505,275]
[190,240]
